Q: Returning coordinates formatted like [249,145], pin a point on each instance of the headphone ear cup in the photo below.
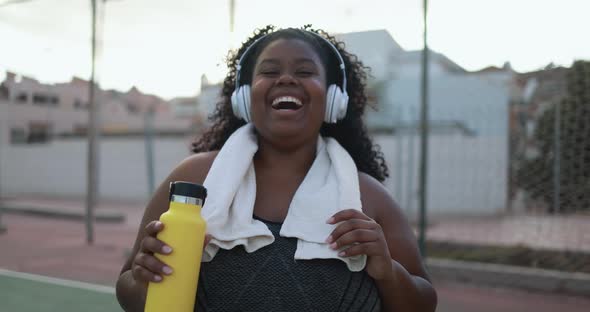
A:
[240,102]
[235,104]
[246,101]
[342,105]
[336,104]
[330,104]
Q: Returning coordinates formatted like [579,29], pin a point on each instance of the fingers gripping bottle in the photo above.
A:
[184,231]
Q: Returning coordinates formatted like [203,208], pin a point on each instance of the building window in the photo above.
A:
[40,99]
[132,108]
[22,98]
[18,136]
[4,94]
[80,129]
[39,132]
[79,105]
[54,100]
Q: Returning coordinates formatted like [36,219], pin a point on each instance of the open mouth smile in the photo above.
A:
[286,103]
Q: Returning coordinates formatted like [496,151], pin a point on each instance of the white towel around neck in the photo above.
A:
[330,185]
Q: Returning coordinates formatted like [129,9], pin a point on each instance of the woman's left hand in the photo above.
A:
[361,235]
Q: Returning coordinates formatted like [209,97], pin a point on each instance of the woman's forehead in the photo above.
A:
[290,49]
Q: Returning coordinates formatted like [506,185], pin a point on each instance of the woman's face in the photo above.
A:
[288,91]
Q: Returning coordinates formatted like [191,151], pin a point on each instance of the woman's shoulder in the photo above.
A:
[195,167]
[375,198]
[379,205]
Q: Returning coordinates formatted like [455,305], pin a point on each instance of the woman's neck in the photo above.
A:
[293,159]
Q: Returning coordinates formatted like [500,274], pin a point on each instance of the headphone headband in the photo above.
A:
[336,52]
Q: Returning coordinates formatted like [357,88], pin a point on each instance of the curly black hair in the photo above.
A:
[350,132]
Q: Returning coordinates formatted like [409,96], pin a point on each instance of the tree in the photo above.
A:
[537,175]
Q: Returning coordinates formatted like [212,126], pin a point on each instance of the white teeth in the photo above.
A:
[286,99]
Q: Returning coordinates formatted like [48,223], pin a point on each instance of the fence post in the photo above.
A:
[149,148]
[2,227]
[424,140]
[557,160]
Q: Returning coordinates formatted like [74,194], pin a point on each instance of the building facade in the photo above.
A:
[32,111]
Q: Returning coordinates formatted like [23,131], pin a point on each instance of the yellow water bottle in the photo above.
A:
[184,231]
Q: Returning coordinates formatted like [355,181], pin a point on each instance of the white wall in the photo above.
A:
[467,175]
[58,168]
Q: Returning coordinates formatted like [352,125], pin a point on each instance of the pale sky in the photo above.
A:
[164,46]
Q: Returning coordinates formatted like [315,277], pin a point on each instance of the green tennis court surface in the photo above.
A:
[21,292]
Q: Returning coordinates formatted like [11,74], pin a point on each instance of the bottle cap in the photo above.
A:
[188,189]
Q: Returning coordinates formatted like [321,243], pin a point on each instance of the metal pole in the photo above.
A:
[2,227]
[93,129]
[149,149]
[557,160]
[232,13]
[399,166]
[424,139]
[509,169]
[410,192]
[232,22]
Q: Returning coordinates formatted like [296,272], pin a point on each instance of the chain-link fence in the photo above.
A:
[519,196]
[552,169]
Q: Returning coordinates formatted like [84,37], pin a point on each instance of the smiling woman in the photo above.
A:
[291,175]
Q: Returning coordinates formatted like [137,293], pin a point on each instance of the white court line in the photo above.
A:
[58,281]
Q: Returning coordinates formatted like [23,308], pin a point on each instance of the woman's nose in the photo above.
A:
[286,79]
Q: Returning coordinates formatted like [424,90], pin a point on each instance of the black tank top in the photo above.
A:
[269,279]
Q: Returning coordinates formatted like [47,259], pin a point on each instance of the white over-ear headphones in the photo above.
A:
[336,98]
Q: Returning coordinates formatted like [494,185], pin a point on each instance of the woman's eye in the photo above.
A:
[269,72]
[304,73]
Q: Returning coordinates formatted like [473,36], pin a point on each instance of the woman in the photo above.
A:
[289,73]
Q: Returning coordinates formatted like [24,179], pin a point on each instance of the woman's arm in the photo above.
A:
[142,267]
[382,232]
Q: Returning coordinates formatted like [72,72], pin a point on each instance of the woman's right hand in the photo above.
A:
[146,267]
